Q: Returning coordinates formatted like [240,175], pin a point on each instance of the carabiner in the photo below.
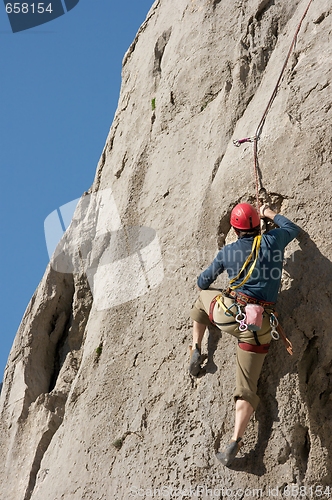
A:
[238,142]
[241,318]
[274,324]
[228,311]
[274,320]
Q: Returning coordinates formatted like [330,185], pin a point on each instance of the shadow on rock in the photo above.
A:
[306,313]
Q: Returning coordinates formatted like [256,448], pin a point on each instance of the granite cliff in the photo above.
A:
[96,401]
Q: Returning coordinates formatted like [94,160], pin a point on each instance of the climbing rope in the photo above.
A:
[254,139]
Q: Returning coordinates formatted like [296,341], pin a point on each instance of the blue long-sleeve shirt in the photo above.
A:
[265,280]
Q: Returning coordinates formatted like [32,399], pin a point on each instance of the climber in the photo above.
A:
[254,266]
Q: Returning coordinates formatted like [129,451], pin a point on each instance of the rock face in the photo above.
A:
[96,401]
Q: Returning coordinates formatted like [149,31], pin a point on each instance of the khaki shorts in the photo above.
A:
[248,364]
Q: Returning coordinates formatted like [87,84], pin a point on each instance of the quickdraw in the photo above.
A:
[241,319]
[274,325]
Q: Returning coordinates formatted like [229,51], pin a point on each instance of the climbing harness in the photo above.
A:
[254,139]
[244,299]
[227,310]
[260,349]
[249,318]
[240,315]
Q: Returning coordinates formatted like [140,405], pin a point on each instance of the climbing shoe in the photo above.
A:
[227,456]
[195,361]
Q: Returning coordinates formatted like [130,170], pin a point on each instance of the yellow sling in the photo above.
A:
[254,250]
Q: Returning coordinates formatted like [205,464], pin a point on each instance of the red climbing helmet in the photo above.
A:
[244,217]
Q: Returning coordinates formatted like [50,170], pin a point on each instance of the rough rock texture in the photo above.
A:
[97,404]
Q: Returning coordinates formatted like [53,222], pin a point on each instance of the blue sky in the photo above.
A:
[59,86]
